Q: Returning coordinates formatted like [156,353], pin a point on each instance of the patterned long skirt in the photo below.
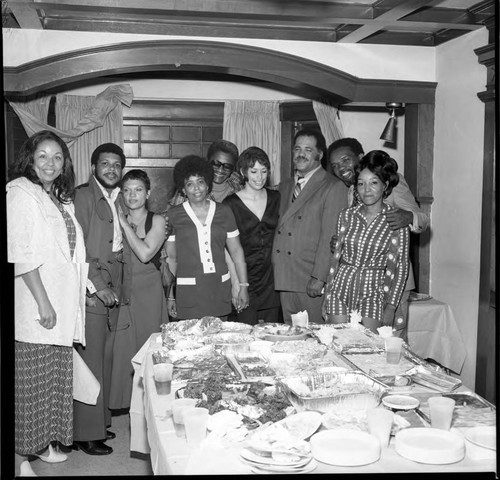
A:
[43,396]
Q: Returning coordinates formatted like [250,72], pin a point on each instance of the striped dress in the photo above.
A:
[43,387]
[369,266]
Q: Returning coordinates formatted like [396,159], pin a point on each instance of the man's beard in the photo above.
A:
[105,182]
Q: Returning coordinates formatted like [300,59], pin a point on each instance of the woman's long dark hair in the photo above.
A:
[63,187]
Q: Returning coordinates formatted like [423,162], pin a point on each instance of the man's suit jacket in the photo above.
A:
[94,215]
[301,248]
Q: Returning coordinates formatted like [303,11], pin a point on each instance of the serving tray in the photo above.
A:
[332,391]
[251,367]
[279,332]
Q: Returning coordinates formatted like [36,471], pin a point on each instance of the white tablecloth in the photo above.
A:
[434,333]
[152,431]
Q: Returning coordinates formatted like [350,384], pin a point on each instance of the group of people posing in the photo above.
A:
[96,272]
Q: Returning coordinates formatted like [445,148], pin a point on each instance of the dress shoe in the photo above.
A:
[93,447]
[52,455]
[110,435]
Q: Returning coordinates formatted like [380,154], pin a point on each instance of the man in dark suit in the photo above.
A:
[308,219]
[107,253]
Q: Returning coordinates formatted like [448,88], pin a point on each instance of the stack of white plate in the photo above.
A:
[277,463]
[430,445]
[281,447]
[345,447]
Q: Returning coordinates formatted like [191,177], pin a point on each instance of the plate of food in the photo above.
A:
[228,338]
[275,332]
[251,367]
[300,425]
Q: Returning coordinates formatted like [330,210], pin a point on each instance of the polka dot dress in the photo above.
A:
[370,265]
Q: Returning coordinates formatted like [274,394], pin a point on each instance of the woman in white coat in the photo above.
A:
[46,245]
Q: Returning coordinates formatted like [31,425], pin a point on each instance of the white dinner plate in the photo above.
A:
[430,445]
[260,460]
[302,425]
[344,447]
[266,470]
[483,436]
[400,402]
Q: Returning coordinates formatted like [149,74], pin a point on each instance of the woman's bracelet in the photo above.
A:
[244,284]
[170,298]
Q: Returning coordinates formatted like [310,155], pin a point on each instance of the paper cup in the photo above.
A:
[441,409]
[195,424]
[393,347]
[162,373]
[380,424]
[178,405]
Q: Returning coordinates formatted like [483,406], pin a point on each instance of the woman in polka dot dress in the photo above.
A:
[370,263]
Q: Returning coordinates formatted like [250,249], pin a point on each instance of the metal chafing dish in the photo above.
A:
[332,391]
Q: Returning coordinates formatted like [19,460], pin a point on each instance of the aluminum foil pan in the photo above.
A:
[332,391]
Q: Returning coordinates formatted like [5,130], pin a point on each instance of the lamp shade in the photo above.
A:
[390,130]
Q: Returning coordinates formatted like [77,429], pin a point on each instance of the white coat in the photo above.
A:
[37,238]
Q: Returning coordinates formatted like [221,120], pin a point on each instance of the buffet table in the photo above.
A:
[433,333]
[152,431]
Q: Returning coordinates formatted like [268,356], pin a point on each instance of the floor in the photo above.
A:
[120,462]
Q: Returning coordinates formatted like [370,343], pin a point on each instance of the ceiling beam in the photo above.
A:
[25,13]
[206,29]
[388,17]
[302,9]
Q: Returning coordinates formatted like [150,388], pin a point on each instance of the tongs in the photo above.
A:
[422,415]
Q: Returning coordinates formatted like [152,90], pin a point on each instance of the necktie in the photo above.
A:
[298,188]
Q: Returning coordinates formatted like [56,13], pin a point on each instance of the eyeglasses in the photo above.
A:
[225,166]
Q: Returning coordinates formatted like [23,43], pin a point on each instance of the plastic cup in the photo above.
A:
[441,409]
[380,424]
[178,405]
[393,347]
[195,424]
[162,373]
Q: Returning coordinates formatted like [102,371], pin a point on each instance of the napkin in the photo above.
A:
[385,331]
[85,386]
[355,319]
[300,319]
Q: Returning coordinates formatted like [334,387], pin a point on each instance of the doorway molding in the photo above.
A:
[312,79]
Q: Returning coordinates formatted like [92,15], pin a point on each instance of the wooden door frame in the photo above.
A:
[487,351]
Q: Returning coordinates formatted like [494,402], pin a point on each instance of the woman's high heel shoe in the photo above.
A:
[25,470]
[54,456]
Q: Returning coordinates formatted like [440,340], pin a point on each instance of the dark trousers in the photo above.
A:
[91,421]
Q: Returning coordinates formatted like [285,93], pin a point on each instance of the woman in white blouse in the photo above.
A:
[202,229]
[46,245]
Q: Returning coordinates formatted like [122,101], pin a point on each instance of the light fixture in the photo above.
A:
[389,133]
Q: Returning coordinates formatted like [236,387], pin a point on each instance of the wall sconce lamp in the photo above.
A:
[389,132]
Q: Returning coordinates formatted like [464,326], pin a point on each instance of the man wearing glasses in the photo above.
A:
[223,155]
